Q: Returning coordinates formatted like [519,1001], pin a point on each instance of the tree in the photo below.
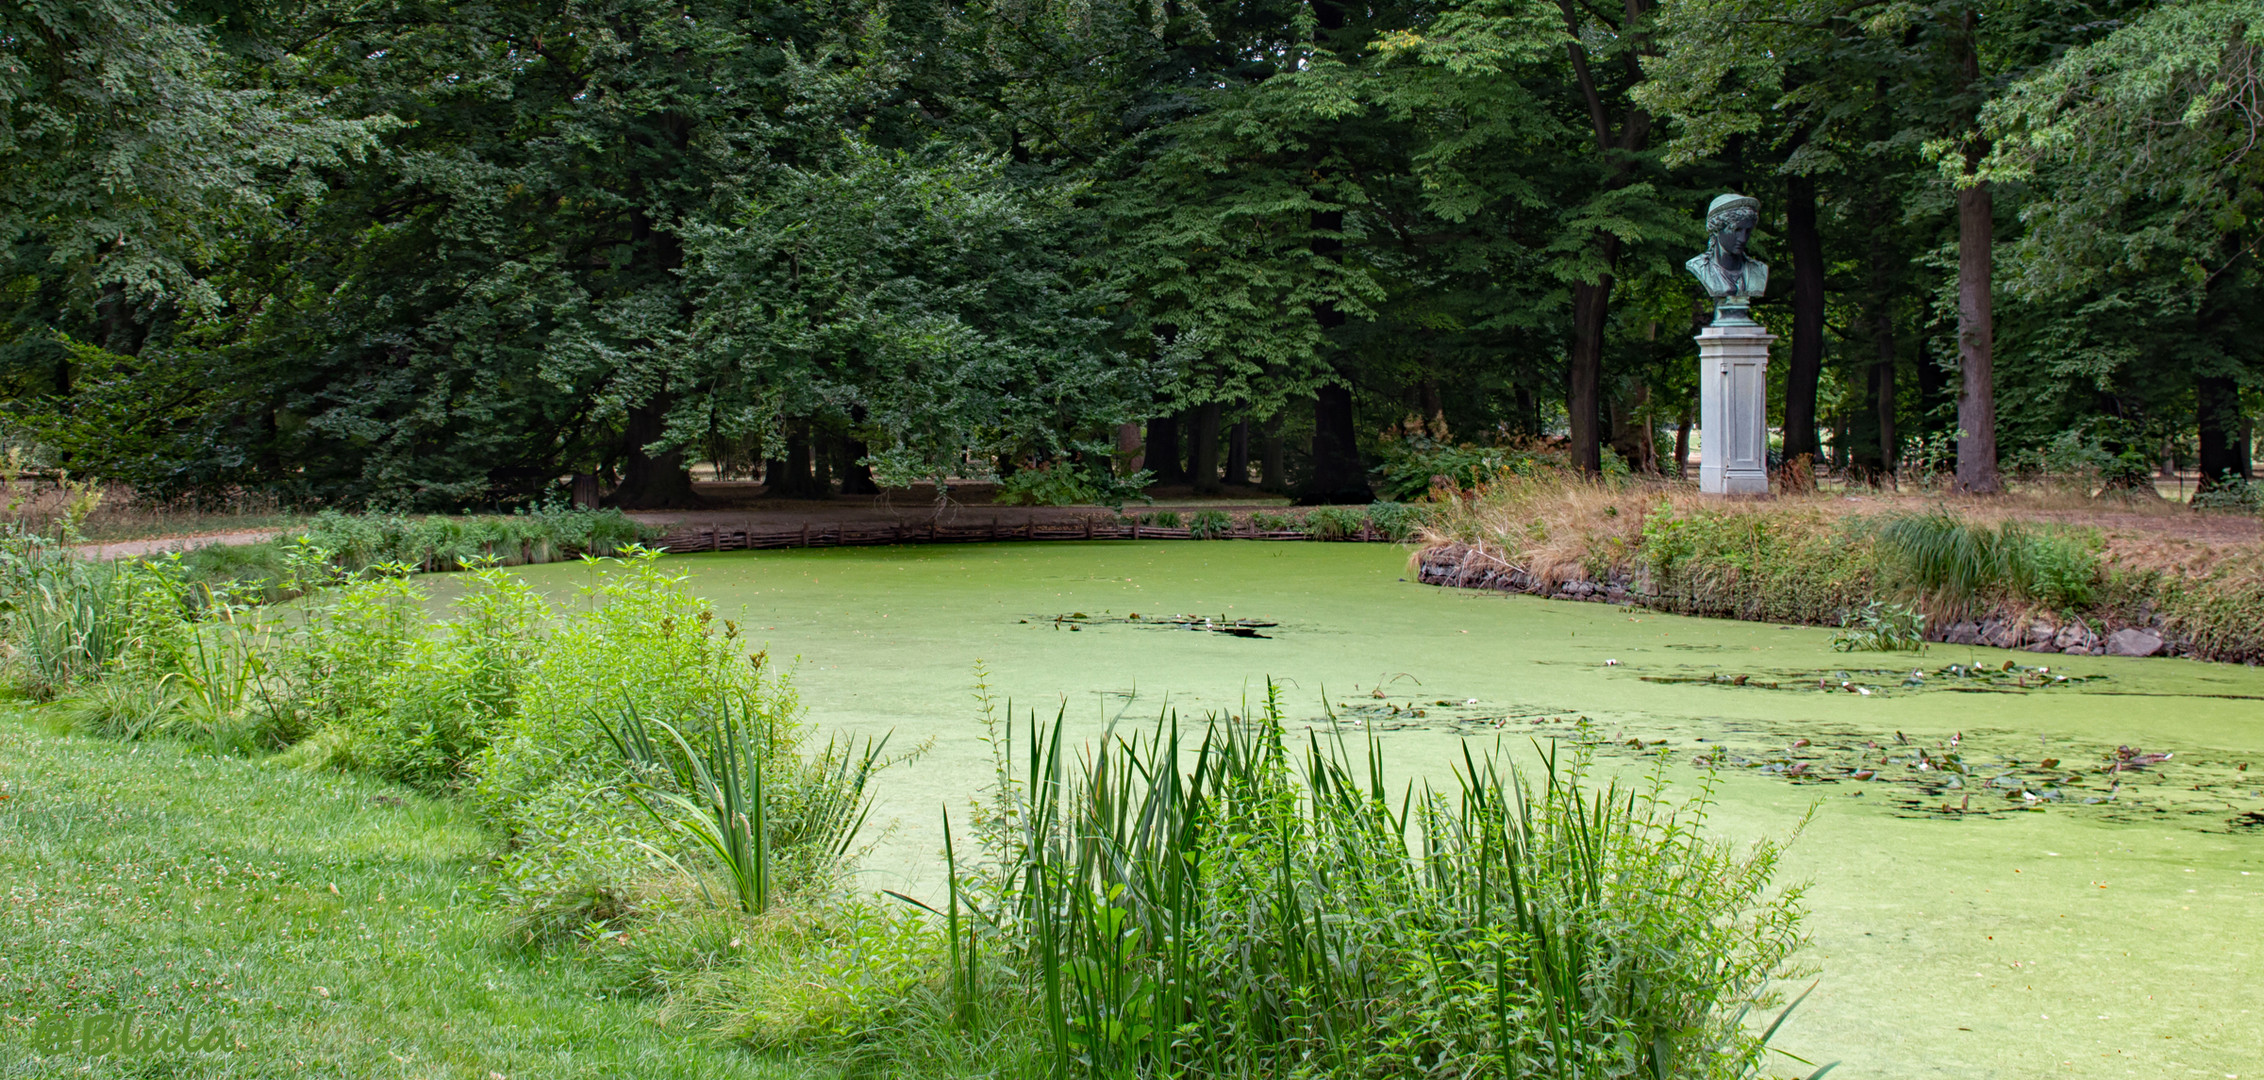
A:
[932,300]
[2142,148]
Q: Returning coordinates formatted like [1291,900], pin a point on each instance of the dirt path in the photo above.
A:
[126,548]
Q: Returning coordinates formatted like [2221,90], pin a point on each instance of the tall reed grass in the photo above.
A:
[716,786]
[1215,904]
[1957,564]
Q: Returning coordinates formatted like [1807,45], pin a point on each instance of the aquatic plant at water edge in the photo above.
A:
[1882,627]
[1173,904]
[1959,565]
[1209,525]
[1334,522]
[711,786]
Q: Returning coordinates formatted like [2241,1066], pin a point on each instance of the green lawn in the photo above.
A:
[335,926]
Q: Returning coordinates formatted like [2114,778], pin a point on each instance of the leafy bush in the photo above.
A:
[2231,494]
[436,699]
[1882,627]
[1068,483]
[1410,468]
[436,542]
[1397,520]
[1746,564]
[1162,519]
[1335,522]
[1209,525]
[1266,521]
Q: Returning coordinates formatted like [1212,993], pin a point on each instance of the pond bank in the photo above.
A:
[1462,566]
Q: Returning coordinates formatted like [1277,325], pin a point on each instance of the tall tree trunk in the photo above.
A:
[1682,443]
[1977,398]
[2224,431]
[1883,391]
[652,481]
[856,479]
[1272,474]
[1202,449]
[1583,398]
[1238,454]
[664,480]
[1128,446]
[1338,475]
[1591,301]
[1976,327]
[798,476]
[1162,453]
[1807,361]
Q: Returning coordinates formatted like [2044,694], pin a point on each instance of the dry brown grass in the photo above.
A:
[1560,527]
[44,504]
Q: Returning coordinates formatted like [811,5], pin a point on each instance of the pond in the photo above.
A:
[2054,867]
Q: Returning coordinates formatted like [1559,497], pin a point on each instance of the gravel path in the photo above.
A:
[125,548]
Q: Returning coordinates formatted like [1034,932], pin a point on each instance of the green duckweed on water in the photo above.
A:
[2054,868]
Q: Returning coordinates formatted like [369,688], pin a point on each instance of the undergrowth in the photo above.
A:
[1807,561]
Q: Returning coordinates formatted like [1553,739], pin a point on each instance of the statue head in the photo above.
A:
[1729,223]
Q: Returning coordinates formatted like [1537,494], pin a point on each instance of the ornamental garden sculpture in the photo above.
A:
[1733,355]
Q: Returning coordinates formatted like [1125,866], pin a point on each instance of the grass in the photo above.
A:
[335,925]
[1824,559]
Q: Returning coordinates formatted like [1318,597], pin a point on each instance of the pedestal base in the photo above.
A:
[1733,410]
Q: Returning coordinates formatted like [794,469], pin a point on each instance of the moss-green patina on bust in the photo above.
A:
[1730,275]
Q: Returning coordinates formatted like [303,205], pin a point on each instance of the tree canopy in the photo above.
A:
[447,252]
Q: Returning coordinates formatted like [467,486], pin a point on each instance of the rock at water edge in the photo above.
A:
[2134,643]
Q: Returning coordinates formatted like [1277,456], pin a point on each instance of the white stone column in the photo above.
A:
[1733,409]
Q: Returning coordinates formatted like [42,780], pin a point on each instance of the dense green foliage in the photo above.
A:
[418,256]
[508,700]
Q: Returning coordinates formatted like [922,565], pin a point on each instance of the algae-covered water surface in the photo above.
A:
[2019,865]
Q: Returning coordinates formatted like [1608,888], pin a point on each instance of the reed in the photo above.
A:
[713,778]
[1217,904]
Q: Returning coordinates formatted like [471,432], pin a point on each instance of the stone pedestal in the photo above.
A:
[1733,409]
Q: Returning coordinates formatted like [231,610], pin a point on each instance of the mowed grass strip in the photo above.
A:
[334,925]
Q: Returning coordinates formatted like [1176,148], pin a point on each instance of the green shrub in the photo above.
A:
[1882,627]
[439,700]
[2231,494]
[1408,468]
[1162,519]
[1209,524]
[1068,483]
[1335,522]
[1267,521]
[1754,565]
[436,542]
[1397,520]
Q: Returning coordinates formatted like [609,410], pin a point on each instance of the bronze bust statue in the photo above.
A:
[1730,276]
